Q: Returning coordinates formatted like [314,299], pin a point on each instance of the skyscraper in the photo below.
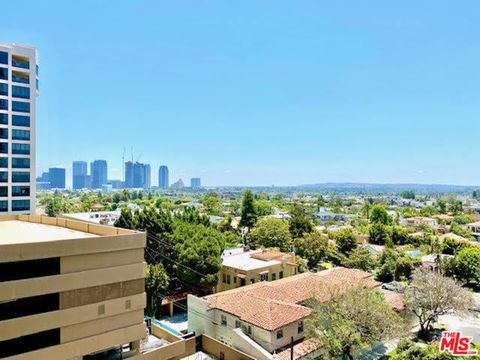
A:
[163,177]
[56,176]
[129,174]
[98,171]
[141,175]
[18,92]
[195,183]
[79,175]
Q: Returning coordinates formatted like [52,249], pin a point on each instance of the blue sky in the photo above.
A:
[259,92]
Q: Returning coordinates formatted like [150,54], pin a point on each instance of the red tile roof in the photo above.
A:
[272,305]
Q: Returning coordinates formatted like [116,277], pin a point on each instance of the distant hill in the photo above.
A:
[387,188]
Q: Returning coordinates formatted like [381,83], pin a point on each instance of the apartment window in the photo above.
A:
[263,277]
[20,205]
[20,62]
[3,119]
[20,120]
[300,327]
[3,89]
[21,106]
[224,278]
[224,320]
[3,162]
[20,163]
[20,190]
[3,104]
[3,73]
[3,191]
[280,275]
[20,134]
[249,330]
[20,176]
[4,57]
[22,149]
[3,176]
[274,276]
[3,148]
[238,324]
[19,77]
[28,343]
[21,92]
[228,279]
[3,133]
[3,206]
[280,334]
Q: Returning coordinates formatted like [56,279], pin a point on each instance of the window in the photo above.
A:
[3,57]
[224,320]
[234,279]
[3,176]
[3,148]
[20,134]
[3,104]
[20,205]
[252,281]
[3,73]
[3,206]
[23,149]
[3,133]
[3,89]
[238,324]
[263,277]
[280,275]
[21,92]
[20,163]
[3,162]
[3,191]
[20,190]
[20,62]
[274,276]
[20,120]
[224,278]
[3,119]
[21,106]
[20,176]
[300,327]
[228,279]
[280,334]
[20,78]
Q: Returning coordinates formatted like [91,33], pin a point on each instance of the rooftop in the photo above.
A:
[272,305]
[251,260]
[17,231]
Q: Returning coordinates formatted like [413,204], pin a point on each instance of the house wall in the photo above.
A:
[216,348]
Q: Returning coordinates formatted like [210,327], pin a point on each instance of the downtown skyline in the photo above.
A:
[240,101]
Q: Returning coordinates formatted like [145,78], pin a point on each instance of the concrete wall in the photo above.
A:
[215,348]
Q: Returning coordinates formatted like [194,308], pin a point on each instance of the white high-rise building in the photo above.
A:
[18,92]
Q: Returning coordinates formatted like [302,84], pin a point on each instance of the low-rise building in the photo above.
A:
[242,267]
[475,229]
[71,289]
[421,220]
[261,319]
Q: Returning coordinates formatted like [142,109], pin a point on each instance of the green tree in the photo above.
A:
[360,258]
[249,214]
[456,207]
[271,233]
[199,251]
[379,215]
[346,241]
[404,268]
[312,247]
[350,323]
[263,207]
[212,203]
[156,284]
[442,206]
[431,295]
[468,264]
[379,234]
[299,224]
